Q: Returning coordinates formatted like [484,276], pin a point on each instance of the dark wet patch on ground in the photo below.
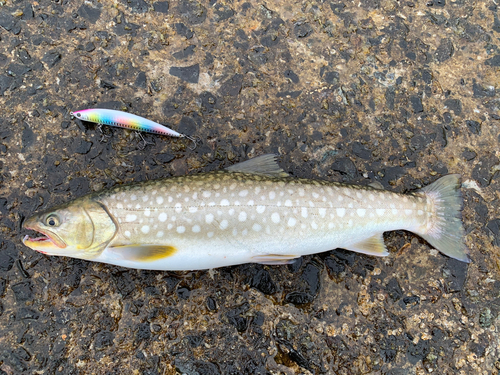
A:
[398,93]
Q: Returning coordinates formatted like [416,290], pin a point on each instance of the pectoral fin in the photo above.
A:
[371,246]
[274,259]
[142,253]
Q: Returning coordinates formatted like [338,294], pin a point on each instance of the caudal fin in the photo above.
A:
[446,231]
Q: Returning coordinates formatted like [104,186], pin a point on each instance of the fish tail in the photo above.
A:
[445,231]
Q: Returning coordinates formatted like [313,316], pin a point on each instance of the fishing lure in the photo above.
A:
[126,120]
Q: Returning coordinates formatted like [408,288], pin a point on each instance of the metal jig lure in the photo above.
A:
[126,120]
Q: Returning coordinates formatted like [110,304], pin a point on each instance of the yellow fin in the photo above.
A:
[371,246]
[274,259]
[143,253]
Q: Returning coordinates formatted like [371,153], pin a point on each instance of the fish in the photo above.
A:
[250,212]
[126,120]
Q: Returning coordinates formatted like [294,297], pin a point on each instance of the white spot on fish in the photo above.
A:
[250,203]
[272,195]
[359,195]
[119,206]
[420,212]
[322,212]
[210,234]
[380,211]
[223,224]
[371,197]
[256,227]
[408,212]
[261,209]
[170,199]
[235,232]
[145,229]
[340,198]
[137,206]
[288,203]
[275,217]
[314,225]
[331,225]
[242,216]
[159,200]
[147,212]
[302,192]
[350,222]
[159,234]
[224,202]
[127,233]
[169,226]
[162,217]
[196,229]
[361,212]
[243,193]
[129,218]
[193,209]
[195,195]
[206,194]
[340,212]
[303,212]
[181,229]
[257,190]
[315,195]
[178,208]
[292,221]
[209,218]
[133,197]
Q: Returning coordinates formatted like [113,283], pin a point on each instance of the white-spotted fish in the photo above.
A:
[250,212]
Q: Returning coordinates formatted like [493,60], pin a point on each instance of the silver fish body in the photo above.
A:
[253,213]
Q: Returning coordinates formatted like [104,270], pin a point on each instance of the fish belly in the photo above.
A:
[221,219]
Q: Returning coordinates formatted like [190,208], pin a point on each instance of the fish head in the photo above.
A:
[80,229]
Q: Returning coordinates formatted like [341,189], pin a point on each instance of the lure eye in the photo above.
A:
[78,115]
[52,220]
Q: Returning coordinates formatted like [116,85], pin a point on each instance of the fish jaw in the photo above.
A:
[47,243]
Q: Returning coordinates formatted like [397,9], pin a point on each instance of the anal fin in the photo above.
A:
[142,253]
[373,245]
[274,259]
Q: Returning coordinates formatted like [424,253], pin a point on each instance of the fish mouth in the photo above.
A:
[44,242]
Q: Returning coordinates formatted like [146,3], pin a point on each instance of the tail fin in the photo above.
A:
[446,232]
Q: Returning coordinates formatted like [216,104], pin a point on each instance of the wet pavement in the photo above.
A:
[399,92]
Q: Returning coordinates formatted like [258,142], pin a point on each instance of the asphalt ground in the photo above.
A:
[395,92]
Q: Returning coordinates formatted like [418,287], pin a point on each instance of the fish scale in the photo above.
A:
[253,213]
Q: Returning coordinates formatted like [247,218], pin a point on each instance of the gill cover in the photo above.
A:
[81,229]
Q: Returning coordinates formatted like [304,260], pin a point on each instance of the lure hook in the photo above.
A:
[194,140]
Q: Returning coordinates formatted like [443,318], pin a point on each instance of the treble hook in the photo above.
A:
[192,139]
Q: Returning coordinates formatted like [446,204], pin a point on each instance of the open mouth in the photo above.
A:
[42,241]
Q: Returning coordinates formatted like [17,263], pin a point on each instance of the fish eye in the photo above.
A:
[52,220]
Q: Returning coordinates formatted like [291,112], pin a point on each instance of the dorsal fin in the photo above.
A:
[264,165]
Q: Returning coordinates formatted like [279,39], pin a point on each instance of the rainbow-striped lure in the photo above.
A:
[126,120]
